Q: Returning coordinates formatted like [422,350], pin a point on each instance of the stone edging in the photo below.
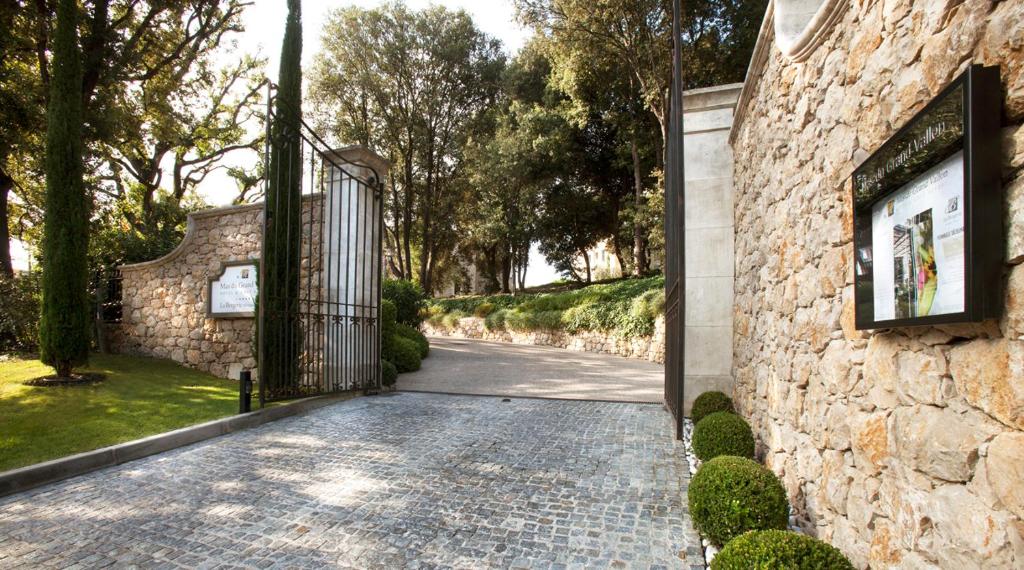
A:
[31,476]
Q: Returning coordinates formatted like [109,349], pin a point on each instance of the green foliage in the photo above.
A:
[406,354]
[729,496]
[19,312]
[388,327]
[388,373]
[451,320]
[722,433]
[483,309]
[408,298]
[64,328]
[708,403]
[771,549]
[282,240]
[626,307]
[416,336]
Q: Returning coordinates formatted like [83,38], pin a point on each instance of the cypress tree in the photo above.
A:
[282,240]
[64,327]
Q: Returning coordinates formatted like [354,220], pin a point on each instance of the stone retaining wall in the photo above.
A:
[903,448]
[650,348]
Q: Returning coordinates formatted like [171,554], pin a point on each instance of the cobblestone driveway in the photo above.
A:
[400,481]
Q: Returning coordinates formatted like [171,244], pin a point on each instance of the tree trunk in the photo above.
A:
[640,264]
[506,271]
[586,260]
[6,185]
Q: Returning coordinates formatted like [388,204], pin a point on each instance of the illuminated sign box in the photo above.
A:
[928,213]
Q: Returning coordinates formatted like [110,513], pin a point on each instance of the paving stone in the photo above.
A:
[400,481]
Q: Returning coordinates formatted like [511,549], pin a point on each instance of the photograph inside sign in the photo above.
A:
[918,245]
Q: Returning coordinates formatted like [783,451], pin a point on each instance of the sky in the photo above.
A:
[264,28]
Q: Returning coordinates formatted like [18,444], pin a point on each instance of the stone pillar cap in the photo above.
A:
[361,155]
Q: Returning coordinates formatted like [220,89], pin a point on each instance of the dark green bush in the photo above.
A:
[19,313]
[416,336]
[408,298]
[496,320]
[389,374]
[732,495]
[388,318]
[769,549]
[722,433]
[405,354]
[709,403]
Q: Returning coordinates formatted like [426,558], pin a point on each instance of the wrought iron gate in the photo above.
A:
[675,238]
[319,332]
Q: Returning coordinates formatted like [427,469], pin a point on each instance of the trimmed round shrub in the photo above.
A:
[408,298]
[405,354]
[722,433]
[766,549]
[709,403]
[389,374]
[388,318]
[416,336]
[732,495]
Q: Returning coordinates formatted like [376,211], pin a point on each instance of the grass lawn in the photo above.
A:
[139,397]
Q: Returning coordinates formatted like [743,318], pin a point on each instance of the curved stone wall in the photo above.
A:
[903,448]
[164,300]
[650,348]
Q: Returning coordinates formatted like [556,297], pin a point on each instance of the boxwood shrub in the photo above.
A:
[732,495]
[709,403]
[722,433]
[416,336]
[405,354]
[779,549]
[408,298]
[389,374]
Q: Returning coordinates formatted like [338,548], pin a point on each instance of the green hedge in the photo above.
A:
[732,495]
[769,549]
[408,298]
[416,336]
[627,307]
[389,374]
[19,313]
[405,354]
[709,403]
[722,433]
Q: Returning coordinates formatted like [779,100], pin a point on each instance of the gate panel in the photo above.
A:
[675,239]
[321,333]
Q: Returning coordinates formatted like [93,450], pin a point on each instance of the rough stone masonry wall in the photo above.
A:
[650,348]
[903,448]
[164,301]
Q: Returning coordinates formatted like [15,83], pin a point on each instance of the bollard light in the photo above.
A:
[245,392]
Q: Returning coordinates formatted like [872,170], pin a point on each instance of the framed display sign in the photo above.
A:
[927,213]
[232,292]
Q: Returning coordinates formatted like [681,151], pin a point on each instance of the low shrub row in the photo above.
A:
[403,345]
[626,307]
[740,505]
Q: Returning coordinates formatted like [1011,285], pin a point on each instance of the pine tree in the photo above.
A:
[64,328]
[282,242]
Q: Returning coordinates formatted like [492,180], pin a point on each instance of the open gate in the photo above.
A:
[675,238]
[319,317]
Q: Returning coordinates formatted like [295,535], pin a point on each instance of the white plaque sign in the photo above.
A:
[233,292]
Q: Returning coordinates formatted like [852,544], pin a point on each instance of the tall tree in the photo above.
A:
[413,86]
[282,240]
[64,333]
[130,49]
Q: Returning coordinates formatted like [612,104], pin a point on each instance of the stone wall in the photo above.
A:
[650,348]
[164,300]
[904,448]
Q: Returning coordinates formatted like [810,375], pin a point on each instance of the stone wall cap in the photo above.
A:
[758,59]
[361,155]
[717,96]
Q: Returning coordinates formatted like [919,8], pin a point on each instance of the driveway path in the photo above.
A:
[399,481]
[460,366]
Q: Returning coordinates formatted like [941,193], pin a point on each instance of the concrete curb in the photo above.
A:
[31,476]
